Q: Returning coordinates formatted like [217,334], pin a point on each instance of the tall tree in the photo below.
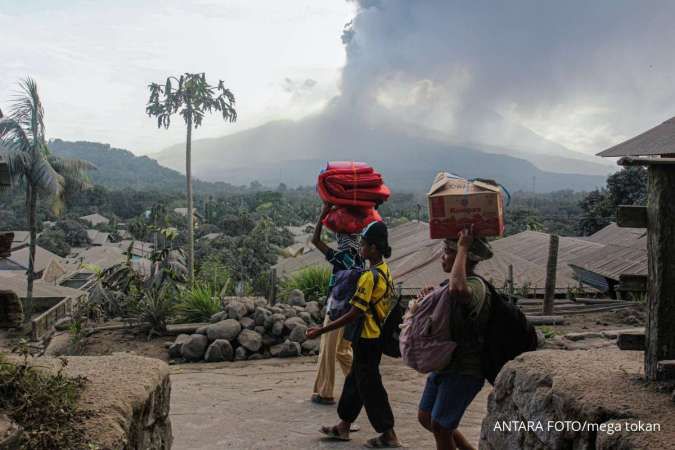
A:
[31,164]
[191,97]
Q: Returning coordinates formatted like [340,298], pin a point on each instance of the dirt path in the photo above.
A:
[265,405]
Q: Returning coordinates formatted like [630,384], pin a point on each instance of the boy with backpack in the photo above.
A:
[333,346]
[369,309]
[449,391]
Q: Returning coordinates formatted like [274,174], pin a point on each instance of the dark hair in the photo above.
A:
[377,234]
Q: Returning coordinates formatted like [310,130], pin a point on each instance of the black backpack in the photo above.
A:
[507,334]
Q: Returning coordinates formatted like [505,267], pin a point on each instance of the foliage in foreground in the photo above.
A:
[44,404]
[198,304]
[312,281]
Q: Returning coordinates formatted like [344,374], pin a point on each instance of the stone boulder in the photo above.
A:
[236,310]
[247,323]
[240,354]
[176,349]
[286,350]
[259,330]
[277,328]
[226,329]
[10,433]
[195,347]
[255,357]
[293,322]
[261,316]
[298,334]
[250,340]
[307,317]
[314,309]
[219,350]
[311,346]
[63,324]
[202,330]
[296,298]
[219,316]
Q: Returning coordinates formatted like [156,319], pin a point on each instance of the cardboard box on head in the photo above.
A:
[456,203]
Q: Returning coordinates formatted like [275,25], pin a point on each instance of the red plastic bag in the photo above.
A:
[350,220]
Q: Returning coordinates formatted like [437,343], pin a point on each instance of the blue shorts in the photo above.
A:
[446,396]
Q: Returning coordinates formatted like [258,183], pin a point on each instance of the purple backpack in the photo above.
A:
[425,340]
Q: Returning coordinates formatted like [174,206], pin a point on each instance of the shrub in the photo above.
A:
[312,281]
[198,304]
[54,241]
[155,307]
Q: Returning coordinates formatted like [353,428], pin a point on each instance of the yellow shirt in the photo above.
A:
[366,294]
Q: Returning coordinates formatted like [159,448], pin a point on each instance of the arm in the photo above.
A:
[457,286]
[353,314]
[316,238]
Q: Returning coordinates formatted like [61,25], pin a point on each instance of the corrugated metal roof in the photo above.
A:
[624,252]
[95,219]
[16,282]
[98,237]
[42,258]
[659,140]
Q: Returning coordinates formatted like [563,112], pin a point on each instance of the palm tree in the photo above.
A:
[24,147]
[192,98]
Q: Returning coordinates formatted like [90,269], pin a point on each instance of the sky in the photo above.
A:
[581,74]
[93,61]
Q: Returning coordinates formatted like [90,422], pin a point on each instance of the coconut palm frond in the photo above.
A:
[63,166]
[27,110]
[45,178]
[17,161]
[12,133]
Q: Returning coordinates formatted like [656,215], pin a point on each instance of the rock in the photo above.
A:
[296,298]
[260,302]
[250,340]
[276,310]
[240,354]
[195,347]
[314,309]
[226,329]
[541,339]
[278,316]
[10,433]
[219,316]
[176,349]
[261,316]
[58,345]
[307,317]
[269,341]
[298,309]
[293,322]
[255,356]
[236,310]
[311,345]
[278,328]
[202,330]
[286,350]
[290,312]
[219,350]
[168,344]
[298,334]
[247,323]
[63,324]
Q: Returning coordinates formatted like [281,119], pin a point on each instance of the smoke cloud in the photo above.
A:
[581,74]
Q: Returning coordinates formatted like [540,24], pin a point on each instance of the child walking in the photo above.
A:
[363,386]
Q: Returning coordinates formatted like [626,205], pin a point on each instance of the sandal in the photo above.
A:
[380,442]
[332,433]
[319,400]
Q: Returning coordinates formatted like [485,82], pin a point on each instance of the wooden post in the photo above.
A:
[509,282]
[660,333]
[551,268]
[273,286]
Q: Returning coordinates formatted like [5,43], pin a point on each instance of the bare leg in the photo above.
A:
[461,442]
[424,417]
[444,437]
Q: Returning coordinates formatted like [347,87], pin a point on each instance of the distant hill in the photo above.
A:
[293,153]
[120,169]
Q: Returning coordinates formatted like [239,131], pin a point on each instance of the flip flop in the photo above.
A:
[333,434]
[316,398]
[353,428]
[379,442]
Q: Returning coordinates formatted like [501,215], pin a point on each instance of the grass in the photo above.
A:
[547,331]
[312,281]
[44,404]
[198,304]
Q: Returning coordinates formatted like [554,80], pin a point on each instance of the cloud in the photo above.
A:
[584,74]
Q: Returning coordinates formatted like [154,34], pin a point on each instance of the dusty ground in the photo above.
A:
[265,405]
[109,342]
[623,318]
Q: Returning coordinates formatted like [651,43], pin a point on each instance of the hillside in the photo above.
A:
[293,153]
[120,169]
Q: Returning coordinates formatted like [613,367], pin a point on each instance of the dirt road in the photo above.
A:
[265,405]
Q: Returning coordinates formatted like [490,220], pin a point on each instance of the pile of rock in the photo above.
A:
[251,328]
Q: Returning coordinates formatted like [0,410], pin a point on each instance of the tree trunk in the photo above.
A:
[551,270]
[190,218]
[32,227]
[660,333]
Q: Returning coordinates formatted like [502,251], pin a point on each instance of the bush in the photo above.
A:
[54,241]
[198,304]
[157,308]
[312,281]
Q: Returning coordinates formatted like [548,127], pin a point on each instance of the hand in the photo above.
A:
[313,332]
[425,291]
[465,238]
[326,209]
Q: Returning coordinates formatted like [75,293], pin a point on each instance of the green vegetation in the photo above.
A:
[198,304]
[312,281]
[23,145]
[44,404]
[192,98]
[54,241]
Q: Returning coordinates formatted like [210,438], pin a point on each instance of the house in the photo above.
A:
[95,219]
[623,253]
[45,295]
[659,140]
[21,239]
[137,249]
[5,179]
[183,212]
[11,309]
[82,266]
[18,260]
[98,237]
[6,240]
[211,236]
